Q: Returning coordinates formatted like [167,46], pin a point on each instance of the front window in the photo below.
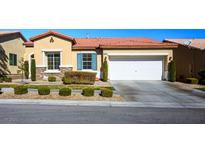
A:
[87,61]
[53,61]
[12,59]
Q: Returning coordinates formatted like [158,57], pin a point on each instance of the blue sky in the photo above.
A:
[158,34]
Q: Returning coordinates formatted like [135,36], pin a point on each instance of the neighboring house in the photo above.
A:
[189,57]
[128,58]
[12,44]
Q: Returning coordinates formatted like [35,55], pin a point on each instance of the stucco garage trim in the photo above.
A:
[137,54]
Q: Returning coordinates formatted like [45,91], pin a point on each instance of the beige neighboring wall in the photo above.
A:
[28,52]
[58,44]
[14,46]
[188,62]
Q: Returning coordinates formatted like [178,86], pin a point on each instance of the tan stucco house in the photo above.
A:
[11,44]
[128,58]
[189,57]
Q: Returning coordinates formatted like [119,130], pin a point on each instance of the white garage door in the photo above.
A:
[135,68]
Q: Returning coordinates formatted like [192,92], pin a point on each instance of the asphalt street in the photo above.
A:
[51,114]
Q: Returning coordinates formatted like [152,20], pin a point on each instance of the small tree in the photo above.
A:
[105,70]
[26,65]
[33,70]
[21,68]
[3,62]
[172,71]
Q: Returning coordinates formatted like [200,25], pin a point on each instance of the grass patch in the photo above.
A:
[202,89]
[55,86]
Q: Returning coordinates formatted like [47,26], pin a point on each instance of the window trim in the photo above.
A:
[52,70]
[87,61]
[12,59]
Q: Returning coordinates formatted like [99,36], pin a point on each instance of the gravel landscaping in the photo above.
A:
[55,95]
[37,90]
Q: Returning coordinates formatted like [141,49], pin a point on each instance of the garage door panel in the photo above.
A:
[135,69]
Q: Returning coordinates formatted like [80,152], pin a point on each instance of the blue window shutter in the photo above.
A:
[79,61]
[94,61]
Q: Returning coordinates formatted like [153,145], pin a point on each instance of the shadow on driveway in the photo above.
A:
[154,91]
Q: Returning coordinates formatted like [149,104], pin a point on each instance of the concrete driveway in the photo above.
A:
[154,91]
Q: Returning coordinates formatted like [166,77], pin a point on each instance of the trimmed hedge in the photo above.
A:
[192,80]
[106,93]
[52,79]
[44,91]
[105,70]
[66,80]
[88,92]
[33,70]
[8,79]
[77,77]
[26,71]
[172,71]
[19,90]
[65,92]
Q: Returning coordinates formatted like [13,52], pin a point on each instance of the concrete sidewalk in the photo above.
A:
[103,103]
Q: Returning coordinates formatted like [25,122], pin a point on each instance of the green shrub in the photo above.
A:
[202,75]
[66,80]
[105,70]
[26,69]
[1,80]
[19,90]
[106,92]
[202,81]
[8,79]
[44,91]
[172,71]
[52,79]
[77,77]
[192,80]
[88,92]
[65,92]
[33,70]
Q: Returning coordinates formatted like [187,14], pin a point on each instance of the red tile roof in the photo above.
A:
[93,43]
[120,43]
[52,33]
[192,43]
[29,44]
[5,33]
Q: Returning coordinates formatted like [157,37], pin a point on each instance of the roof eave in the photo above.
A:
[52,33]
[21,35]
[139,47]
[84,47]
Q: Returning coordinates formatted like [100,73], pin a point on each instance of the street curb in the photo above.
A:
[99,103]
